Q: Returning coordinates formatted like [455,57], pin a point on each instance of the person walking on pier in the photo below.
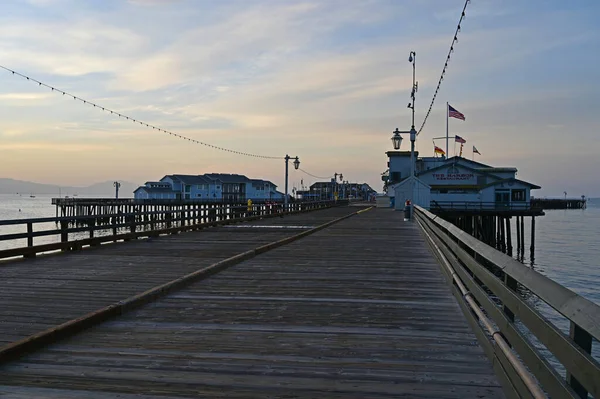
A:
[249,207]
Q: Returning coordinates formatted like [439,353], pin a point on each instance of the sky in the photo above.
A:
[325,80]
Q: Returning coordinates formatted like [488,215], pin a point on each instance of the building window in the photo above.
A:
[395,177]
[187,188]
[502,196]
[518,195]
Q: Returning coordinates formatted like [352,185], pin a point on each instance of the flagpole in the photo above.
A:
[447,130]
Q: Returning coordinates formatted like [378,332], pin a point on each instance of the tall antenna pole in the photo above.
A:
[447,149]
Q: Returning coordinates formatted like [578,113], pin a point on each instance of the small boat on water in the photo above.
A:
[32,196]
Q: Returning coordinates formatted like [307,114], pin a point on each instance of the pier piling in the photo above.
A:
[508,237]
[522,237]
[532,246]
[518,229]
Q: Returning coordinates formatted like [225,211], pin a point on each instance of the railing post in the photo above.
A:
[132,225]
[114,226]
[92,224]
[511,283]
[64,235]
[30,239]
[584,340]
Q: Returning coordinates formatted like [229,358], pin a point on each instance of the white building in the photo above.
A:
[457,183]
[209,187]
[154,190]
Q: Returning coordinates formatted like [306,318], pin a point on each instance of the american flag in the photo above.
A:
[452,113]
[459,139]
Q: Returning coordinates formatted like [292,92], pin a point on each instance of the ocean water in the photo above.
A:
[567,248]
[22,206]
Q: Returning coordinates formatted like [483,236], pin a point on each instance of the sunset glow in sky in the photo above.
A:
[327,80]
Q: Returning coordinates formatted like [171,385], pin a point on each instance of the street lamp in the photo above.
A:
[335,184]
[296,166]
[397,138]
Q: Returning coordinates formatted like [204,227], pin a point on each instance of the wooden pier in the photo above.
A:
[559,203]
[76,207]
[358,309]
[490,222]
[343,302]
[73,232]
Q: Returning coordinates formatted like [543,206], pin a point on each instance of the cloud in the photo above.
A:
[243,45]
[21,99]
[82,46]
[327,81]
[153,2]
[50,146]
[44,3]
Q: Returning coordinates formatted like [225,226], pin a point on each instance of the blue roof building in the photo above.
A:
[209,187]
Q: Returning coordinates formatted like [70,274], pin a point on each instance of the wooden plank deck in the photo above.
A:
[40,293]
[358,310]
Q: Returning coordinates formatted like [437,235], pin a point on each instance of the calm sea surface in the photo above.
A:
[567,247]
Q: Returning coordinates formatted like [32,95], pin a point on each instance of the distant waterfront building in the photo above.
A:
[155,190]
[328,190]
[209,187]
[455,183]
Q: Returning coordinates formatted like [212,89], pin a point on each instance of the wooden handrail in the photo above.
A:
[478,266]
[131,225]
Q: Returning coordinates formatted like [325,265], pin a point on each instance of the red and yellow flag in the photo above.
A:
[438,150]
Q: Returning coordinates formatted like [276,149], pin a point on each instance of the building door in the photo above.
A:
[502,198]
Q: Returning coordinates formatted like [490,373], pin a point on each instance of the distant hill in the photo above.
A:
[104,189]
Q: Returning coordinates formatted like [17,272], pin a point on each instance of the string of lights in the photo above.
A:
[137,121]
[454,41]
[310,174]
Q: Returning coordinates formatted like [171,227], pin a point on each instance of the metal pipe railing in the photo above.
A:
[528,379]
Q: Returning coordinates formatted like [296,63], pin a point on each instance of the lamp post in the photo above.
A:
[397,138]
[296,166]
[412,58]
[117,185]
[335,188]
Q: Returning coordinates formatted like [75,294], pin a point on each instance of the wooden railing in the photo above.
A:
[481,206]
[487,284]
[72,233]
[153,201]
